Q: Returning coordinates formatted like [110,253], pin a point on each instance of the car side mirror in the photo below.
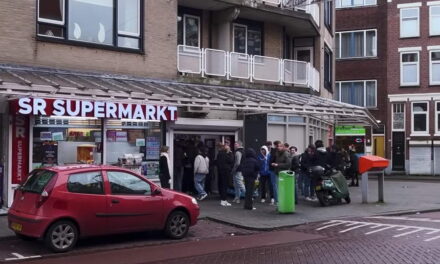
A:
[157,191]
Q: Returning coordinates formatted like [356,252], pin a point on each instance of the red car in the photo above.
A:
[62,204]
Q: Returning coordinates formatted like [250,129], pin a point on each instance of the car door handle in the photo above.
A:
[115,201]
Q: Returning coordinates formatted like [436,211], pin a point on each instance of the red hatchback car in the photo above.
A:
[62,204]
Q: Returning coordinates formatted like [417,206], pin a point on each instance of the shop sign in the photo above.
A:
[20,148]
[94,109]
[350,131]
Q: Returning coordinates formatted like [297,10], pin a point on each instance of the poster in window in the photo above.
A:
[121,136]
[97,135]
[135,134]
[140,142]
[50,154]
[57,136]
[153,148]
[111,136]
[150,169]
[45,136]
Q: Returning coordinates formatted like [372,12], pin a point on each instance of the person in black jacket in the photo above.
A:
[306,164]
[250,170]
[164,168]
[225,161]
[353,166]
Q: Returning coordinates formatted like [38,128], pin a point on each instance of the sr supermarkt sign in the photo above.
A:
[350,131]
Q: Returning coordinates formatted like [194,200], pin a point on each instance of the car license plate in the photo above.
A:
[16,227]
[318,188]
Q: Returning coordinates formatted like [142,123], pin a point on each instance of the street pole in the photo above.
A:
[364,187]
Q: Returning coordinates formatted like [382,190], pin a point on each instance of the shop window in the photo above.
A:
[247,38]
[409,68]
[434,72]
[134,145]
[356,44]
[420,119]
[360,93]
[434,20]
[328,69]
[398,117]
[409,22]
[61,141]
[92,21]
[276,118]
[87,182]
[125,183]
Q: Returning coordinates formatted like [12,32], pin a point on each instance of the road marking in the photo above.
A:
[407,233]
[20,257]
[379,227]
[405,218]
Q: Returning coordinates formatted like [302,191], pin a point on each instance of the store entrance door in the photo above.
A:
[399,151]
[379,146]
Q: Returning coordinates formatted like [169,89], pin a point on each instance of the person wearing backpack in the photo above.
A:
[201,169]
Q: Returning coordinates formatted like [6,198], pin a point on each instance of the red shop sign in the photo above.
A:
[20,148]
[96,109]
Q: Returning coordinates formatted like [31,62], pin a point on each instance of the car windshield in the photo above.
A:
[37,181]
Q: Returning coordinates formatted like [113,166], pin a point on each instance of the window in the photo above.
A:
[37,181]
[437,119]
[420,123]
[92,21]
[191,30]
[248,39]
[409,22]
[356,44]
[125,183]
[434,71]
[328,68]
[86,182]
[328,14]
[434,20]
[398,117]
[409,68]
[360,93]
[354,3]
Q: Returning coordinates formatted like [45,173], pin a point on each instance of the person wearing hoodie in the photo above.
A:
[237,174]
[201,169]
[281,162]
[264,158]
[250,169]
[164,168]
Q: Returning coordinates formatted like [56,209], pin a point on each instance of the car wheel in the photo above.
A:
[25,238]
[177,225]
[61,236]
[347,199]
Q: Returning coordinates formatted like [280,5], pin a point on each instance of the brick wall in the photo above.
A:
[19,45]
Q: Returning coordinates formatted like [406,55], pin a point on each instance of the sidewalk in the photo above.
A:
[400,197]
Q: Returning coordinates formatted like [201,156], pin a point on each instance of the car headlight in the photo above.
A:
[194,201]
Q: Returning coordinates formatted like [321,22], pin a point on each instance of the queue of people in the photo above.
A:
[247,169]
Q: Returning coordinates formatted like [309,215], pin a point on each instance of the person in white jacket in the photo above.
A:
[201,169]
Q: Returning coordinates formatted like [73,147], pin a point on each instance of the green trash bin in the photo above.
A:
[286,192]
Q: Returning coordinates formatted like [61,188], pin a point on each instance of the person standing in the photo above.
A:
[273,174]
[306,164]
[353,166]
[264,158]
[250,172]
[295,167]
[164,168]
[225,161]
[239,187]
[201,169]
[178,166]
[281,163]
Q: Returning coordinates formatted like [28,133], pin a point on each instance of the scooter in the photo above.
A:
[331,186]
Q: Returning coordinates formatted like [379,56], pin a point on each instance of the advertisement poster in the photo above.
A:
[50,154]
[20,148]
[140,142]
[111,136]
[97,135]
[46,136]
[57,136]
[121,136]
[150,169]
[153,148]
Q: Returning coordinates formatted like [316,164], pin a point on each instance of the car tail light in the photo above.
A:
[46,191]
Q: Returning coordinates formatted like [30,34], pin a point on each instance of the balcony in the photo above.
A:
[233,65]
[304,5]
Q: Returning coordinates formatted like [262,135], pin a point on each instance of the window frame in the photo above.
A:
[132,174]
[430,19]
[328,85]
[328,15]
[392,117]
[338,4]
[420,133]
[51,21]
[125,33]
[401,22]
[338,87]
[233,37]
[402,84]
[83,172]
[114,47]
[437,113]
[364,43]
[431,63]
[198,29]
[249,25]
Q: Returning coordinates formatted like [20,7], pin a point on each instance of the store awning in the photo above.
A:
[20,81]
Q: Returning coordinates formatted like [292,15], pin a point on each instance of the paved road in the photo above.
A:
[381,239]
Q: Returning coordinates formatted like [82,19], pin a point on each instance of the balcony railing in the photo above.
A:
[213,62]
[305,5]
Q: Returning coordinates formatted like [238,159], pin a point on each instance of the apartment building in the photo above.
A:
[109,82]
[387,62]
